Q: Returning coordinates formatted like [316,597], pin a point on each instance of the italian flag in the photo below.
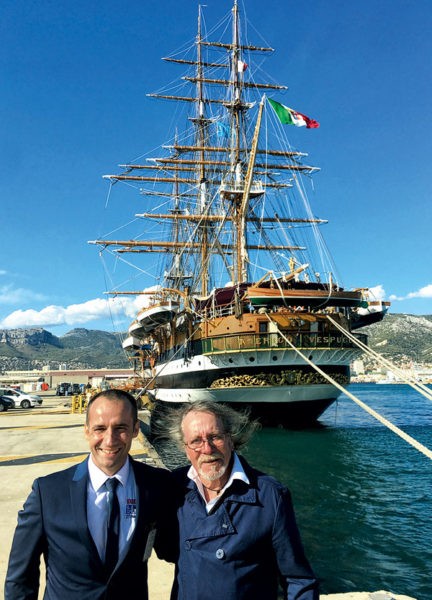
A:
[288,116]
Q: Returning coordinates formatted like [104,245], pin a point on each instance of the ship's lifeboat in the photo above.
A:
[265,296]
[131,343]
[156,315]
[136,329]
[374,312]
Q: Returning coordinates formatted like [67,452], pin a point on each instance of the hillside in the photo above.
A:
[400,338]
[22,349]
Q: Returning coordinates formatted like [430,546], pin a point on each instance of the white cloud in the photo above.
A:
[76,314]
[377,292]
[424,292]
[58,315]
[12,295]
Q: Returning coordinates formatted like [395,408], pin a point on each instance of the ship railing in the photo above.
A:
[238,187]
[220,311]
[270,341]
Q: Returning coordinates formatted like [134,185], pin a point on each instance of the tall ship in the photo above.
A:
[242,304]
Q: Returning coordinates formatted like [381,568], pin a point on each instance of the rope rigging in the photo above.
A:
[410,440]
[418,386]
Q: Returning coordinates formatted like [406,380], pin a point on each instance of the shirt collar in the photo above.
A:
[237,472]
[98,477]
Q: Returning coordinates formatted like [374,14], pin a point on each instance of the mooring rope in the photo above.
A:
[413,442]
[419,387]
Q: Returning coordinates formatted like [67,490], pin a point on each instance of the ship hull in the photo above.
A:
[287,406]
[290,393]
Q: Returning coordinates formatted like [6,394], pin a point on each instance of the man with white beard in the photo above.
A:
[238,537]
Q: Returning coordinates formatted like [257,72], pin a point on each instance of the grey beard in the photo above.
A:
[213,475]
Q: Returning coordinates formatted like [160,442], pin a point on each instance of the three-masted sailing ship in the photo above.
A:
[245,302]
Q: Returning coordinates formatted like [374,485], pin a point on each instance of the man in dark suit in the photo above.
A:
[66,517]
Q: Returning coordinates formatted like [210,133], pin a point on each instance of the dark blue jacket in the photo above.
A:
[54,523]
[247,544]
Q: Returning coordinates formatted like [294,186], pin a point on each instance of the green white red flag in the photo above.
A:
[289,116]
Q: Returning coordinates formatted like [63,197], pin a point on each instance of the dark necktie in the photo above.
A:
[112,545]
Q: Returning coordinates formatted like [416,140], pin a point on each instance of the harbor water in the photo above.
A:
[362,494]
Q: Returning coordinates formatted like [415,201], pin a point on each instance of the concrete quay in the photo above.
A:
[39,441]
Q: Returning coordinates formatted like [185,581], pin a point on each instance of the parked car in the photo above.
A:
[21,399]
[64,389]
[5,403]
[68,389]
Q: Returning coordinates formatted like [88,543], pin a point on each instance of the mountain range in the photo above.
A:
[400,338]
[22,349]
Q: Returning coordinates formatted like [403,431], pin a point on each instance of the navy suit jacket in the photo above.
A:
[244,546]
[53,522]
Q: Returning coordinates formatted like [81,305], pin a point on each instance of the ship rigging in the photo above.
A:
[238,241]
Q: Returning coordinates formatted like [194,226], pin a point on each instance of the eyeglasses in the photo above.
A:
[214,439]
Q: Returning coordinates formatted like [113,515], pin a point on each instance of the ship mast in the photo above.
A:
[241,187]
[235,156]
[175,272]
[235,57]
[216,185]
[202,125]
[241,232]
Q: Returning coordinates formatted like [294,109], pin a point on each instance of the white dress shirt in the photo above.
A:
[97,506]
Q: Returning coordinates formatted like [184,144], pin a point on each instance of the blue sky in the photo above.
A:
[73,106]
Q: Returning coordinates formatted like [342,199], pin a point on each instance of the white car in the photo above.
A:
[20,399]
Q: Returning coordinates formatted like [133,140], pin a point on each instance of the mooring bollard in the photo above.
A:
[79,403]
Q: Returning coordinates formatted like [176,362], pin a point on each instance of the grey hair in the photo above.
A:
[236,423]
